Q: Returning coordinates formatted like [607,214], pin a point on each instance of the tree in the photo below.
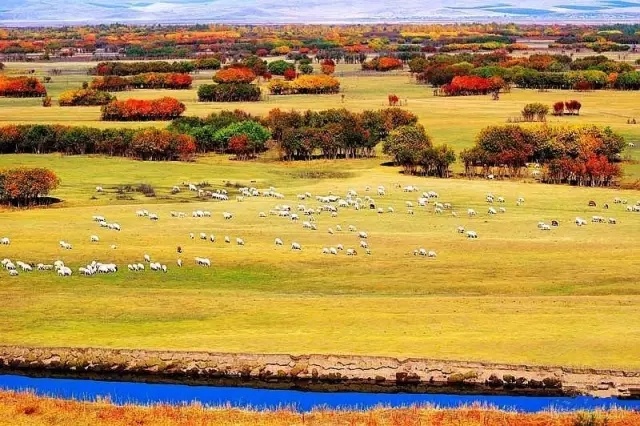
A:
[305,68]
[405,144]
[328,67]
[234,75]
[236,92]
[558,108]
[280,66]
[256,134]
[290,74]
[26,186]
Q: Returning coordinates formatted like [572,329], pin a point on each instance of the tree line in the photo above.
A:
[21,87]
[142,110]
[151,80]
[143,144]
[143,67]
[573,155]
[538,71]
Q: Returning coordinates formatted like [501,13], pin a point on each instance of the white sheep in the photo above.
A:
[296,246]
[279,242]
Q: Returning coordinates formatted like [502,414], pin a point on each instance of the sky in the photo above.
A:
[14,12]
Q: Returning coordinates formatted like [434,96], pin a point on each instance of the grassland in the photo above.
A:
[516,294]
[26,408]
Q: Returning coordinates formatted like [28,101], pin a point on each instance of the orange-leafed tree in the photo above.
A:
[26,186]
[234,75]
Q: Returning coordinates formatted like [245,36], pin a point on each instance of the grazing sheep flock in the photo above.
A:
[301,218]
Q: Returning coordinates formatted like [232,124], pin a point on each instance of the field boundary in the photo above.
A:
[318,372]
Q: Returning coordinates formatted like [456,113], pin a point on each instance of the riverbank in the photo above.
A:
[319,372]
[27,408]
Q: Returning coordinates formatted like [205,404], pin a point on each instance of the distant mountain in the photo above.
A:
[25,12]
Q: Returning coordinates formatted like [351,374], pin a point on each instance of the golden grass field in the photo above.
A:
[517,294]
[29,409]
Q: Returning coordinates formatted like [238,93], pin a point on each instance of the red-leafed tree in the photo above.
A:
[239,145]
[290,74]
[393,100]
[573,107]
[558,108]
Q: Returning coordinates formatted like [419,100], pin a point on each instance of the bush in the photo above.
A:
[142,110]
[84,97]
[535,112]
[239,92]
[146,189]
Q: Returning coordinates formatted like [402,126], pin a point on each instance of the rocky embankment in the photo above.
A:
[318,372]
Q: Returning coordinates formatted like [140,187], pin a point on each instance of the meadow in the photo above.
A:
[516,294]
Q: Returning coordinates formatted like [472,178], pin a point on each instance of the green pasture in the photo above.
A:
[516,294]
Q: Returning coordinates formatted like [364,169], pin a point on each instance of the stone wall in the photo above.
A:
[318,372]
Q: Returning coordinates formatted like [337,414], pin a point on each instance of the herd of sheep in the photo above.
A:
[306,208]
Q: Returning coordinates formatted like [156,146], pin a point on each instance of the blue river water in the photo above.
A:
[146,393]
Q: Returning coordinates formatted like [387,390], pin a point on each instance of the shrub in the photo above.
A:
[142,110]
[84,97]
[21,87]
[239,92]
[535,112]
[234,75]
[146,189]
[393,100]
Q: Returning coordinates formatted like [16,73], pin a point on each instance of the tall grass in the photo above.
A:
[29,409]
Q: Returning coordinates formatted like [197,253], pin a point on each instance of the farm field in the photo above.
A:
[516,294]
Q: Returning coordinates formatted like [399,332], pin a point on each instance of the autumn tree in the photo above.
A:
[26,186]
[405,144]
